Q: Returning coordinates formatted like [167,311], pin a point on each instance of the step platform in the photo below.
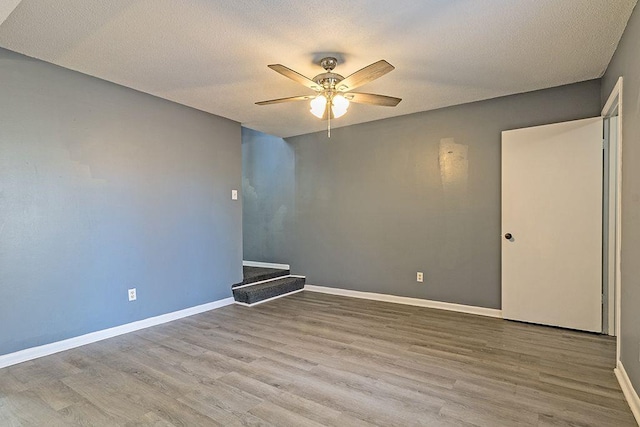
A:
[260,285]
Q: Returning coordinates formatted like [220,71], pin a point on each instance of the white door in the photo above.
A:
[552,224]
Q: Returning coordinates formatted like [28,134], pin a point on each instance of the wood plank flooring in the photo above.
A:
[320,360]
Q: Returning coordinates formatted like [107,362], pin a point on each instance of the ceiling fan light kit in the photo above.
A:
[319,106]
[339,105]
[333,91]
[321,103]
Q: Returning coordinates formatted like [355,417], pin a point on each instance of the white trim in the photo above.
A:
[246,285]
[629,392]
[269,299]
[615,100]
[266,265]
[268,280]
[481,311]
[612,102]
[56,347]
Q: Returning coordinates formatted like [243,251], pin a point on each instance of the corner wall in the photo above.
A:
[268,185]
[380,201]
[102,189]
[626,63]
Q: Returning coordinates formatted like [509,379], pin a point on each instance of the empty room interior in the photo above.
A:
[280,213]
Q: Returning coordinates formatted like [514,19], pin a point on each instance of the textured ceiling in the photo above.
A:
[213,54]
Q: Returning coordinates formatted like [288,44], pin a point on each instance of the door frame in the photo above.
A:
[613,104]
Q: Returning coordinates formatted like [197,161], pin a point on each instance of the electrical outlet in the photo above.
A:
[132,294]
[420,277]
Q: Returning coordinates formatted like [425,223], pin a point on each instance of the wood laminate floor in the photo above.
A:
[319,360]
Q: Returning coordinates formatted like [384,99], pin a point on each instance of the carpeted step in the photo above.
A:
[258,274]
[273,288]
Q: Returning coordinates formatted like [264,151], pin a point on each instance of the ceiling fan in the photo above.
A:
[333,92]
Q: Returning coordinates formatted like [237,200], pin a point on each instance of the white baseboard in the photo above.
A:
[273,279]
[47,349]
[269,299]
[482,311]
[266,265]
[629,392]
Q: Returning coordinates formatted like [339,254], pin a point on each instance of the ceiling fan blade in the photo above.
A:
[365,75]
[289,99]
[295,76]
[370,98]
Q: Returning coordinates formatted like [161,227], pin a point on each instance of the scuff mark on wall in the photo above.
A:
[249,192]
[454,166]
[454,174]
[276,229]
[249,204]
[269,223]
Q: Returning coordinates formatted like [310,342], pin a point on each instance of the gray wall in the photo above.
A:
[103,188]
[379,201]
[268,174]
[626,63]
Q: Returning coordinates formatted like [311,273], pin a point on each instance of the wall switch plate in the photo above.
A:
[132,294]
[234,194]
[420,277]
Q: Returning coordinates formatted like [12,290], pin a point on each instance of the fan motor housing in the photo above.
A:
[328,80]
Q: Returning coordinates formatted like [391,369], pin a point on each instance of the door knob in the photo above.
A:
[508,236]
